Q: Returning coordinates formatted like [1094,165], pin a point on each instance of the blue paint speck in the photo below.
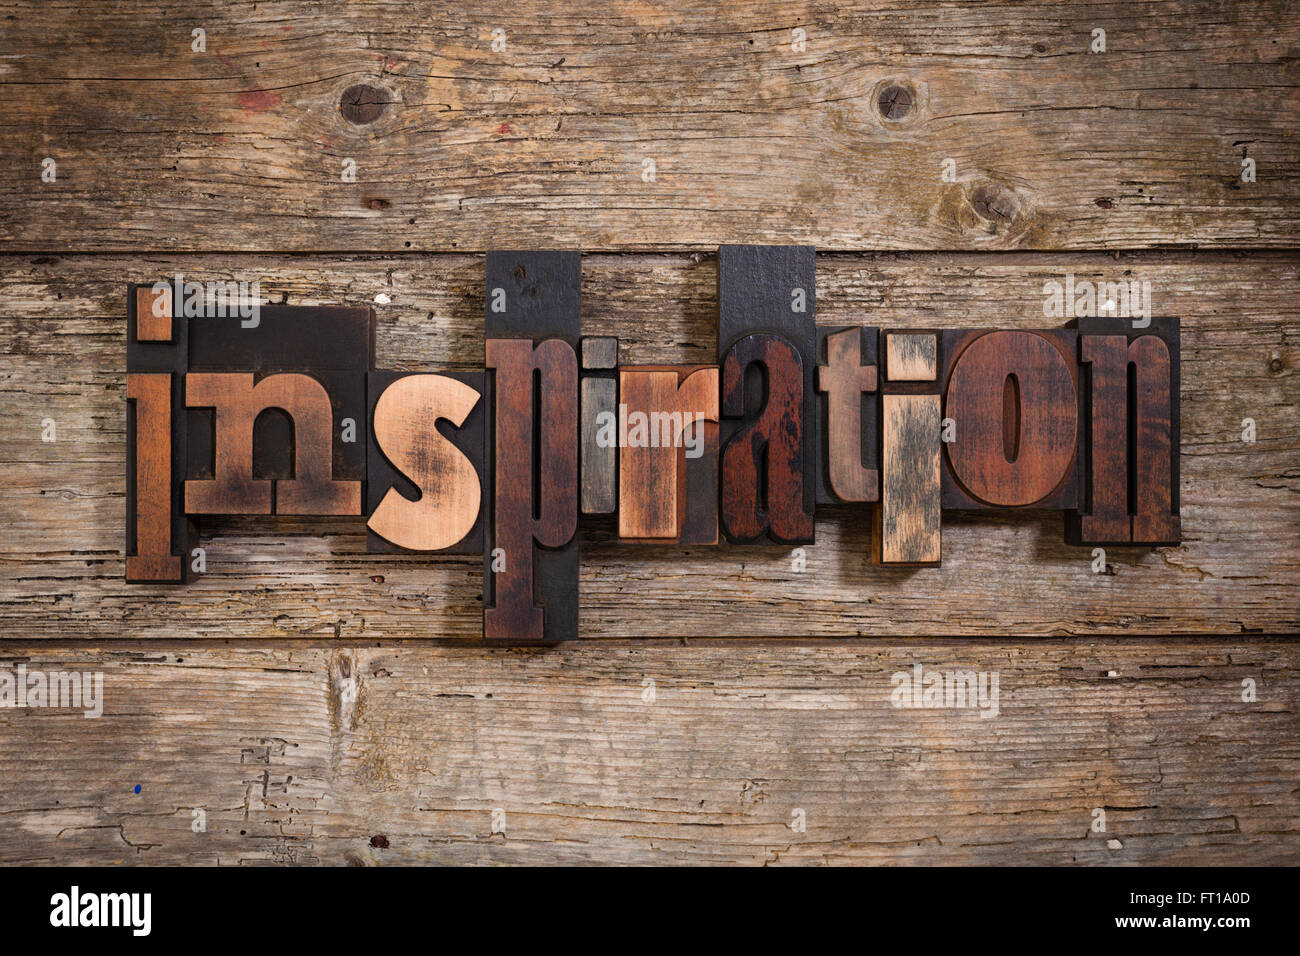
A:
[137,788]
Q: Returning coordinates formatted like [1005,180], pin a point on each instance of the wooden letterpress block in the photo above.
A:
[151,485]
[911,356]
[848,412]
[599,403]
[237,402]
[425,463]
[531,555]
[668,469]
[906,522]
[277,417]
[158,534]
[1131,436]
[1013,401]
[153,314]
[767,353]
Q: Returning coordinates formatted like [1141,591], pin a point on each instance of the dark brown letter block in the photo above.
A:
[1013,400]
[1130,442]
[767,353]
[530,560]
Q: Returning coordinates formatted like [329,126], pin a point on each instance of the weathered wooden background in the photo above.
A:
[322,704]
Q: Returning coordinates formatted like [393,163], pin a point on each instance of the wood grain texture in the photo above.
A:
[1103,514]
[597,400]
[848,411]
[1154,518]
[332,747]
[1237,571]
[462,147]
[535,491]
[1131,474]
[153,315]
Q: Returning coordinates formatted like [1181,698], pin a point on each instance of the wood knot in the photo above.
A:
[362,103]
[993,203]
[896,102]
[988,211]
[379,841]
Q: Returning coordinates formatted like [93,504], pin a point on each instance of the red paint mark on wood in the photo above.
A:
[503,128]
[259,100]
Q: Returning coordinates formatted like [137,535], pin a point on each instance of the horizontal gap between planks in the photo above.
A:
[14,647]
[1010,256]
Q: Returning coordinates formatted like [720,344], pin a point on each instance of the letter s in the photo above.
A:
[406,415]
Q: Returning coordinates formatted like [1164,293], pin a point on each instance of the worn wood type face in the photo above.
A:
[598,403]
[327,695]
[425,464]
[848,416]
[1132,441]
[668,480]
[767,345]
[1012,398]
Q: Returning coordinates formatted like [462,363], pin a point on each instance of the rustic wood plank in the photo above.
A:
[1238,569]
[652,752]
[639,126]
